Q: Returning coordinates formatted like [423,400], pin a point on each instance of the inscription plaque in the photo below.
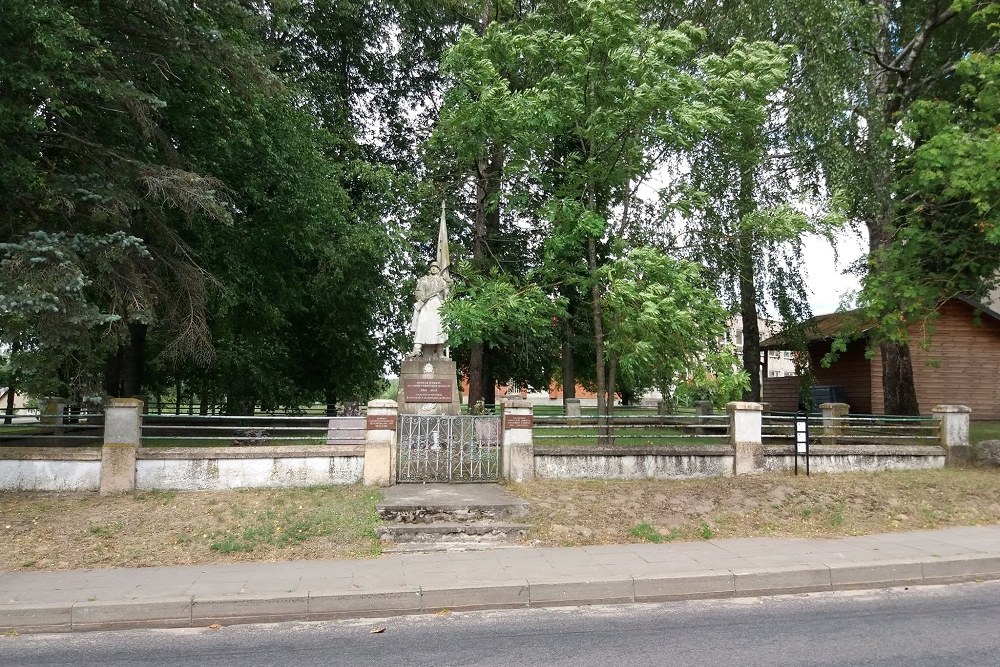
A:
[518,422]
[381,423]
[420,390]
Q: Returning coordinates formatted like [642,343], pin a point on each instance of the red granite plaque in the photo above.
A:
[421,390]
[519,421]
[381,423]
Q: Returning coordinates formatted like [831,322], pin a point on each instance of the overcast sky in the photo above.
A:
[828,281]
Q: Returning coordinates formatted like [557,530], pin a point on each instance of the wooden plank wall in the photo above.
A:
[781,393]
[852,371]
[967,358]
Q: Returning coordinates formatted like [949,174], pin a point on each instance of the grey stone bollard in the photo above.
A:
[833,421]
[52,414]
[518,444]
[380,443]
[954,432]
[701,409]
[572,408]
[122,436]
[745,437]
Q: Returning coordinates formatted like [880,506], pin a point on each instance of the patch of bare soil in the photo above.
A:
[59,531]
[609,512]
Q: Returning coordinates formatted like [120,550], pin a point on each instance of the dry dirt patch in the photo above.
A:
[609,512]
[59,531]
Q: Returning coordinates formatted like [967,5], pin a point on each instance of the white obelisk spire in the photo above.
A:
[443,256]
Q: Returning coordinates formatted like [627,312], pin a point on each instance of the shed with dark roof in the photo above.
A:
[958,362]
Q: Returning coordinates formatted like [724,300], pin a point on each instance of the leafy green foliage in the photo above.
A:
[947,240]
[665,325]
[204,136]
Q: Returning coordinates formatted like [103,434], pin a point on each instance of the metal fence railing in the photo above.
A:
[630,430]
[778,428]
[228,430]
[72,427]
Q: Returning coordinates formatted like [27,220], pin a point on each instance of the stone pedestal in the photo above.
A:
[745,437]
[572,409]
[833,421]
[122,436]
[954,432]
[518,447]
[429,386]
[380,443]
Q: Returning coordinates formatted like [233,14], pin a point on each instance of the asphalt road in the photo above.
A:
[944,625]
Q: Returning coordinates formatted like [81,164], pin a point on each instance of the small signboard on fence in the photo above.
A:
[801,440]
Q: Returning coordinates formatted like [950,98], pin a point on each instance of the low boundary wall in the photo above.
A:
[217,468]
[663,462]
[185,468]
[50,468]
[687,462]
[122,464]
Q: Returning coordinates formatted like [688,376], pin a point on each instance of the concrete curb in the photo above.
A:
[180,612]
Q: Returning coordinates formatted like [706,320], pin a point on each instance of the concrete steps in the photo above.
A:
[450,517]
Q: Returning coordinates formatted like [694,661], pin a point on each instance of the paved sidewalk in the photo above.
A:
[519,577]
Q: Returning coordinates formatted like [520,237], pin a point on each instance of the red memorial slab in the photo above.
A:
[421,390]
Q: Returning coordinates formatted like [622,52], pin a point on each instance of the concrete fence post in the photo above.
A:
[954,431]
[745,437]
[52,414]
[833,421]
[572,408]
[518,445]
[380,443]
[122,436]
[701,409]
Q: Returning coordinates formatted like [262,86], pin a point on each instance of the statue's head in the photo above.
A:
[434,269]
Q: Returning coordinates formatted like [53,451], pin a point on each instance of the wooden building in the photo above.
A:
[960,366]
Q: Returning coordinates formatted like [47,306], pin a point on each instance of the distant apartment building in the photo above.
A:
[777,363]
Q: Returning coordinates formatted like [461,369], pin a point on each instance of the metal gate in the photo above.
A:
[439,448]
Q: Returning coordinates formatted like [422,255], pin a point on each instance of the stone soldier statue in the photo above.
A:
[431,292]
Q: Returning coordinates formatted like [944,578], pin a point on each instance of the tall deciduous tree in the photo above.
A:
[598,97]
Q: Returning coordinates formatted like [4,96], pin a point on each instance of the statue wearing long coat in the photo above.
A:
[431,292]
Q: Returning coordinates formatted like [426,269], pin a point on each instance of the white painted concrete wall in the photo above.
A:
[853,463]
[635,466]
[244,473]
[47,475]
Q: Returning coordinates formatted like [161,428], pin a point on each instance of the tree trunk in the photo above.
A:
[331,402]
[476,374]
[898,389]
[603,407]
[487,220]
[9,411]
[751,337]
[134,359]
[568,363]
[595,304]
[489,380]
[747,280]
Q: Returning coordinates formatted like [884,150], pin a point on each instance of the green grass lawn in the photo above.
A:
[985,430]
[227,441]
[625,436]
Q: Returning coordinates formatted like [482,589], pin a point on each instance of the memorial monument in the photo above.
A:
[428,378]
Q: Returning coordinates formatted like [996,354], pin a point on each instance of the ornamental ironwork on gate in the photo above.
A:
[439,448]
